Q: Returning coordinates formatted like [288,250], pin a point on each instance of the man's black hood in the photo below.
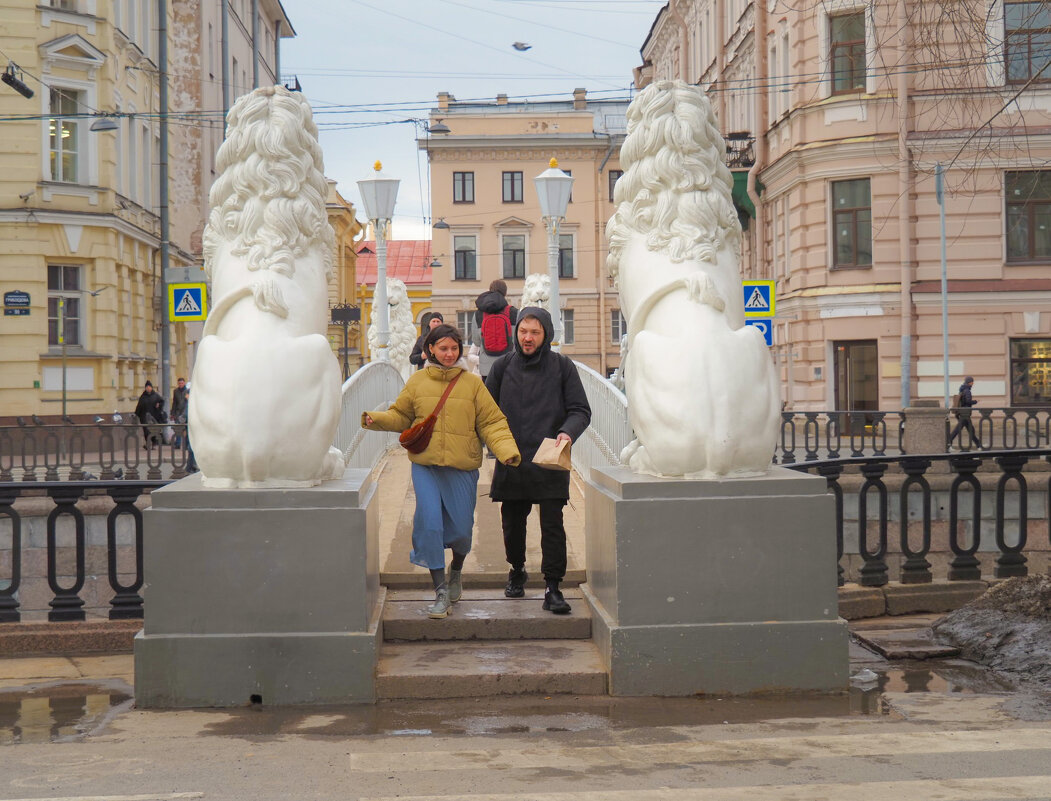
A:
[545,322]
[491,302]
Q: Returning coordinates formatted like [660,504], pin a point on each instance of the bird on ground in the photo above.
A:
[521,46]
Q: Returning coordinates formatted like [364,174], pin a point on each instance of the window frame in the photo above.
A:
[1030,205]
[572,249]
[1028,361]
[465,322]
[856,49]
[463,184]
[853,211]
[461,265]
[569,327]
[517,191]
[614,176]
[76,340]
[505,251]
[78,97]
[1029,34]
[618,326]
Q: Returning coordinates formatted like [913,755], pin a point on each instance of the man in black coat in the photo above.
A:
[541,394]
[149,409]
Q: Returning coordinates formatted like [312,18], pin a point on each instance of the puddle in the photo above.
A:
[58,713]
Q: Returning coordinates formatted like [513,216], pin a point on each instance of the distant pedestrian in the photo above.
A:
[495,320]
[963,414]
[430,321]
[150,410]
[445,472]
[191,460]
[178,409]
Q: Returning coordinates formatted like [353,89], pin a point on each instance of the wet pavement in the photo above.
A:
[78,700]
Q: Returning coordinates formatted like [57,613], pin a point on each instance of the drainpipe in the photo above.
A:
[905,203]
[255,44]
[277,56]
[761,104]
[224,49]
[600,281]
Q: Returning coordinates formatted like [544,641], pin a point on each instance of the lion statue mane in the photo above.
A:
[402,329]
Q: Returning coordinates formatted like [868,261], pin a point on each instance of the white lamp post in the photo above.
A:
[378,196]
[554,188]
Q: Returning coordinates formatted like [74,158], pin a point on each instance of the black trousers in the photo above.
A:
[961,424]
[513,516]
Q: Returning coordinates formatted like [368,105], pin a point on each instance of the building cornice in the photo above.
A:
[108,221]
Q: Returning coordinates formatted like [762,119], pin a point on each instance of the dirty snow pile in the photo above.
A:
[1008,628]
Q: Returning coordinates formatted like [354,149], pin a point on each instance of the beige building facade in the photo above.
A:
[837,116]
[80,199]
[482,173]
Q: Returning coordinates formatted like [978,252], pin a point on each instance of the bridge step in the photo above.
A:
[484,615]
[487,579]
[499,667]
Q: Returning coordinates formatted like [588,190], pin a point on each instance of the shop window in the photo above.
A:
[1030,372]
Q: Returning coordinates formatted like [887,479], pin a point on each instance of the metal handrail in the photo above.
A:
[610,430]
[372,387]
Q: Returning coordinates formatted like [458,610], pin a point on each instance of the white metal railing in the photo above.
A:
[610,430]
[372,387]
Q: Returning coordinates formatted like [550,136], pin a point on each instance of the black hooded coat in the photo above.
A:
[541,395]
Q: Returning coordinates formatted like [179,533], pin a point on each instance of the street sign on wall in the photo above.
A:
[758,298]
[187,302]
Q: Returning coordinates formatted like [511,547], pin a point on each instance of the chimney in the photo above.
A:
[443,100]
[501,100]
[580,99]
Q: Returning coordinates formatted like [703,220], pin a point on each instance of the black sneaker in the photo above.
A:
[516,580]
[556,603]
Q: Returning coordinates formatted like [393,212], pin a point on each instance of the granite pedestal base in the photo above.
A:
[724,586]
[267,596]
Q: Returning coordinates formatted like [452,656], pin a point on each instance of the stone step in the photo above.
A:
[484,615]
[498,667]
[490,579]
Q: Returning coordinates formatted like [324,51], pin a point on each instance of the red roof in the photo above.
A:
[408,260]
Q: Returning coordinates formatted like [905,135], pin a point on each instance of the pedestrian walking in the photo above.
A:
[541,394]
[963,414]
[495,320]
[178,408]
[430,321]
[445,472]
[149,410]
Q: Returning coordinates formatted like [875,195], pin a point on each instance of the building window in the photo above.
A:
[1030,372]
[852,223]
[565,256]
[568,329]
[63,282]
[463,187]
[570,174]
[1027,47]
[1028,215]
[64,5]
[614,176]
[465,322]
[847,54]
[514,255]
[512,187]
[618,326]
[466,250]
[65,135]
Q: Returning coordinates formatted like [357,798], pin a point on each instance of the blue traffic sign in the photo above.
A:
[758,298]
[187,302]
[766,327]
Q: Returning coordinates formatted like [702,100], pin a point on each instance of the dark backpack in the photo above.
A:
[496,332]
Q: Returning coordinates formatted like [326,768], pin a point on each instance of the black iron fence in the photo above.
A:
[67,546]
[105,451]
[821,435]
[985,512]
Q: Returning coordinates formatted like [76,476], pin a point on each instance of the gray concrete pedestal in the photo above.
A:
[725,586]
[270,596]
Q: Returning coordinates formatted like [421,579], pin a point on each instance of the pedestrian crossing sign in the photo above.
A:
[187,302]
[758,298]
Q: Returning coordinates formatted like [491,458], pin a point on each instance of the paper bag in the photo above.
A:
[553,454]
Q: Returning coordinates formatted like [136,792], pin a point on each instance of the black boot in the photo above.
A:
[554,601]
[516,579]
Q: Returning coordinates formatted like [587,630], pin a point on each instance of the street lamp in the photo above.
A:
[378,195]
[554,188]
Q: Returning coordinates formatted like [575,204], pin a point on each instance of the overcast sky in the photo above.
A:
[368,67]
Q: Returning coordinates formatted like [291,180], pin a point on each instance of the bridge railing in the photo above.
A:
[610,430]
[972,515]
[372,387]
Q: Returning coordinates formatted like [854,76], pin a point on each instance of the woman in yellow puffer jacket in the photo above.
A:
[445,474]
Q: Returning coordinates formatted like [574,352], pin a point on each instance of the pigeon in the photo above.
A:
[521,46]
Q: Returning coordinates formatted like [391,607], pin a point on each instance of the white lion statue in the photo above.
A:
[402,329]
[266,386]
[537,291]
[701,386]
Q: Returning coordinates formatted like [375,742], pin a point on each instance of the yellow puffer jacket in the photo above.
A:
[469,417]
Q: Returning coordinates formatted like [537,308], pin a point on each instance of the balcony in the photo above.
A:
[740,150]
